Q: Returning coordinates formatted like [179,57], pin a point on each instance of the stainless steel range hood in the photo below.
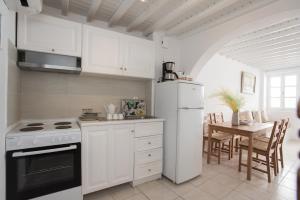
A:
[46,62]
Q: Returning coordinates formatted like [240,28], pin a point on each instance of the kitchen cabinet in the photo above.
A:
[101,51]
[95,158]
[112,53]
[122,154]
[107,156]
[49,34]
[119,152]
[139,57]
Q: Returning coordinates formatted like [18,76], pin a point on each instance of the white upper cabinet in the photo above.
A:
[108,52]
[49,34]
[139,58]
[101,51]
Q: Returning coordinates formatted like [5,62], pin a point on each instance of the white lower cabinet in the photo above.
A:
[107,156]
[115,154]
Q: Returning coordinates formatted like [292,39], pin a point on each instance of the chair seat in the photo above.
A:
[220,136]
[262,139]
[257,144]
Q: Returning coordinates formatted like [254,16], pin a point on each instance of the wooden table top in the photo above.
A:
[255,127]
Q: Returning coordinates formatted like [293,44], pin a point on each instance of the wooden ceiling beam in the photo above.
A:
[172,16]
[93,10]
[147,14]
[65,4]
[123,8]
[196,18]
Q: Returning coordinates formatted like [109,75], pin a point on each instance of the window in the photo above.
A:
[283,91]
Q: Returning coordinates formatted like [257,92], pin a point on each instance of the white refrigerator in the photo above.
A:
[180,103]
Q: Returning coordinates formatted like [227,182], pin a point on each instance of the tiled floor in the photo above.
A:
[217,182]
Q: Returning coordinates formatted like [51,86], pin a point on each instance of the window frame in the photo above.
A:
[282,75]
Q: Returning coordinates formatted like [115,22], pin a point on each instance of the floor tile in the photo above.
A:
[157,191]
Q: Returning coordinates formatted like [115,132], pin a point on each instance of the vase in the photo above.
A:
[235,121]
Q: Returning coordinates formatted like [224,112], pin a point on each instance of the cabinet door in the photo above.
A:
[101,51]
[49,34]
[95,158]
[122,154]
[139,58]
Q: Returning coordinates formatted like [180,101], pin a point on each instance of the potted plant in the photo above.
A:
[234,102]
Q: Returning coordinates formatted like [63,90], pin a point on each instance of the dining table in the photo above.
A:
[249,131]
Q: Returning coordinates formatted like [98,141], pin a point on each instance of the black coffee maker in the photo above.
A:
[168,73]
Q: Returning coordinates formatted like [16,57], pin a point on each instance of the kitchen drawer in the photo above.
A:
[147,129]
[148,156]
[142,171]
[146,143]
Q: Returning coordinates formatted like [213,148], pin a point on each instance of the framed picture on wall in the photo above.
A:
[248,83]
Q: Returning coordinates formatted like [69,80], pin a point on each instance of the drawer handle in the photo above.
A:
[149,155]
[132,131]
[149,170]
[52,50]
[149,142]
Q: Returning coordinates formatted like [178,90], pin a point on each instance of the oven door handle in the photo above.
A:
[30,153]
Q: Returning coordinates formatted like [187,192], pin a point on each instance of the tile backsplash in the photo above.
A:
[53,95]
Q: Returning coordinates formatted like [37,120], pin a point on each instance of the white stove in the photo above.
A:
[33,134]
[43,161]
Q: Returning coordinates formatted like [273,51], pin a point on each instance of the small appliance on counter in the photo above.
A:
[133,108]
[168,73]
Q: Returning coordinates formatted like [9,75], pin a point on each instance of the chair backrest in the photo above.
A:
[218,118]
[207,120]
[284,128]
[275,135]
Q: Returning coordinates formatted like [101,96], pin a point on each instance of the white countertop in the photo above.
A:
[115,122]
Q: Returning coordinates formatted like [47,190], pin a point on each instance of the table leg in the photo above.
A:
[249,159]
[209,144]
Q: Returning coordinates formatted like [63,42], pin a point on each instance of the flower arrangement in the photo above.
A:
[234,102]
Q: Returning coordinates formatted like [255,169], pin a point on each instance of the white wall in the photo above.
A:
[221,72]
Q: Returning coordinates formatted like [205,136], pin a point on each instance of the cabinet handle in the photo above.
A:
[149,170]
[125,69]
[149,155]
[121,68]
[149,142]
[52,50]
[132,131]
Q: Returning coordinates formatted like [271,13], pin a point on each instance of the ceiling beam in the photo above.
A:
[123,8]
[172,16]
[65,4]
[267,42]
[287,24]
[93,10]
[209,11]
[147,14]
[262,52]
[268,45]
[268,37]
[273,60]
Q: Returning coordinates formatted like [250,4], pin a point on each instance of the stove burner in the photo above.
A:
[62,123]
[34,128]
[63,127]
[35,124]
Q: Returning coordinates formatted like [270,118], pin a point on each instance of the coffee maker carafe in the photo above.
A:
[168,72]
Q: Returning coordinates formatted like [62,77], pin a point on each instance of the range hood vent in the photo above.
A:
[46,62]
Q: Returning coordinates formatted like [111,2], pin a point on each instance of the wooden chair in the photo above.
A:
[266,149]
[218,140]
[284,128]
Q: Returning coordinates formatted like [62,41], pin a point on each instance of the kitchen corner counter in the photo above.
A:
[116,122]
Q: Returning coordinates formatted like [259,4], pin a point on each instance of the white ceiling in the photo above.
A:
[275,46]
[176,17]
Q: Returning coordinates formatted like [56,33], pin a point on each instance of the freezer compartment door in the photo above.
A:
[190,95]
[189,144]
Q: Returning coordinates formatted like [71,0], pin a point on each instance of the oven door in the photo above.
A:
[40,171]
